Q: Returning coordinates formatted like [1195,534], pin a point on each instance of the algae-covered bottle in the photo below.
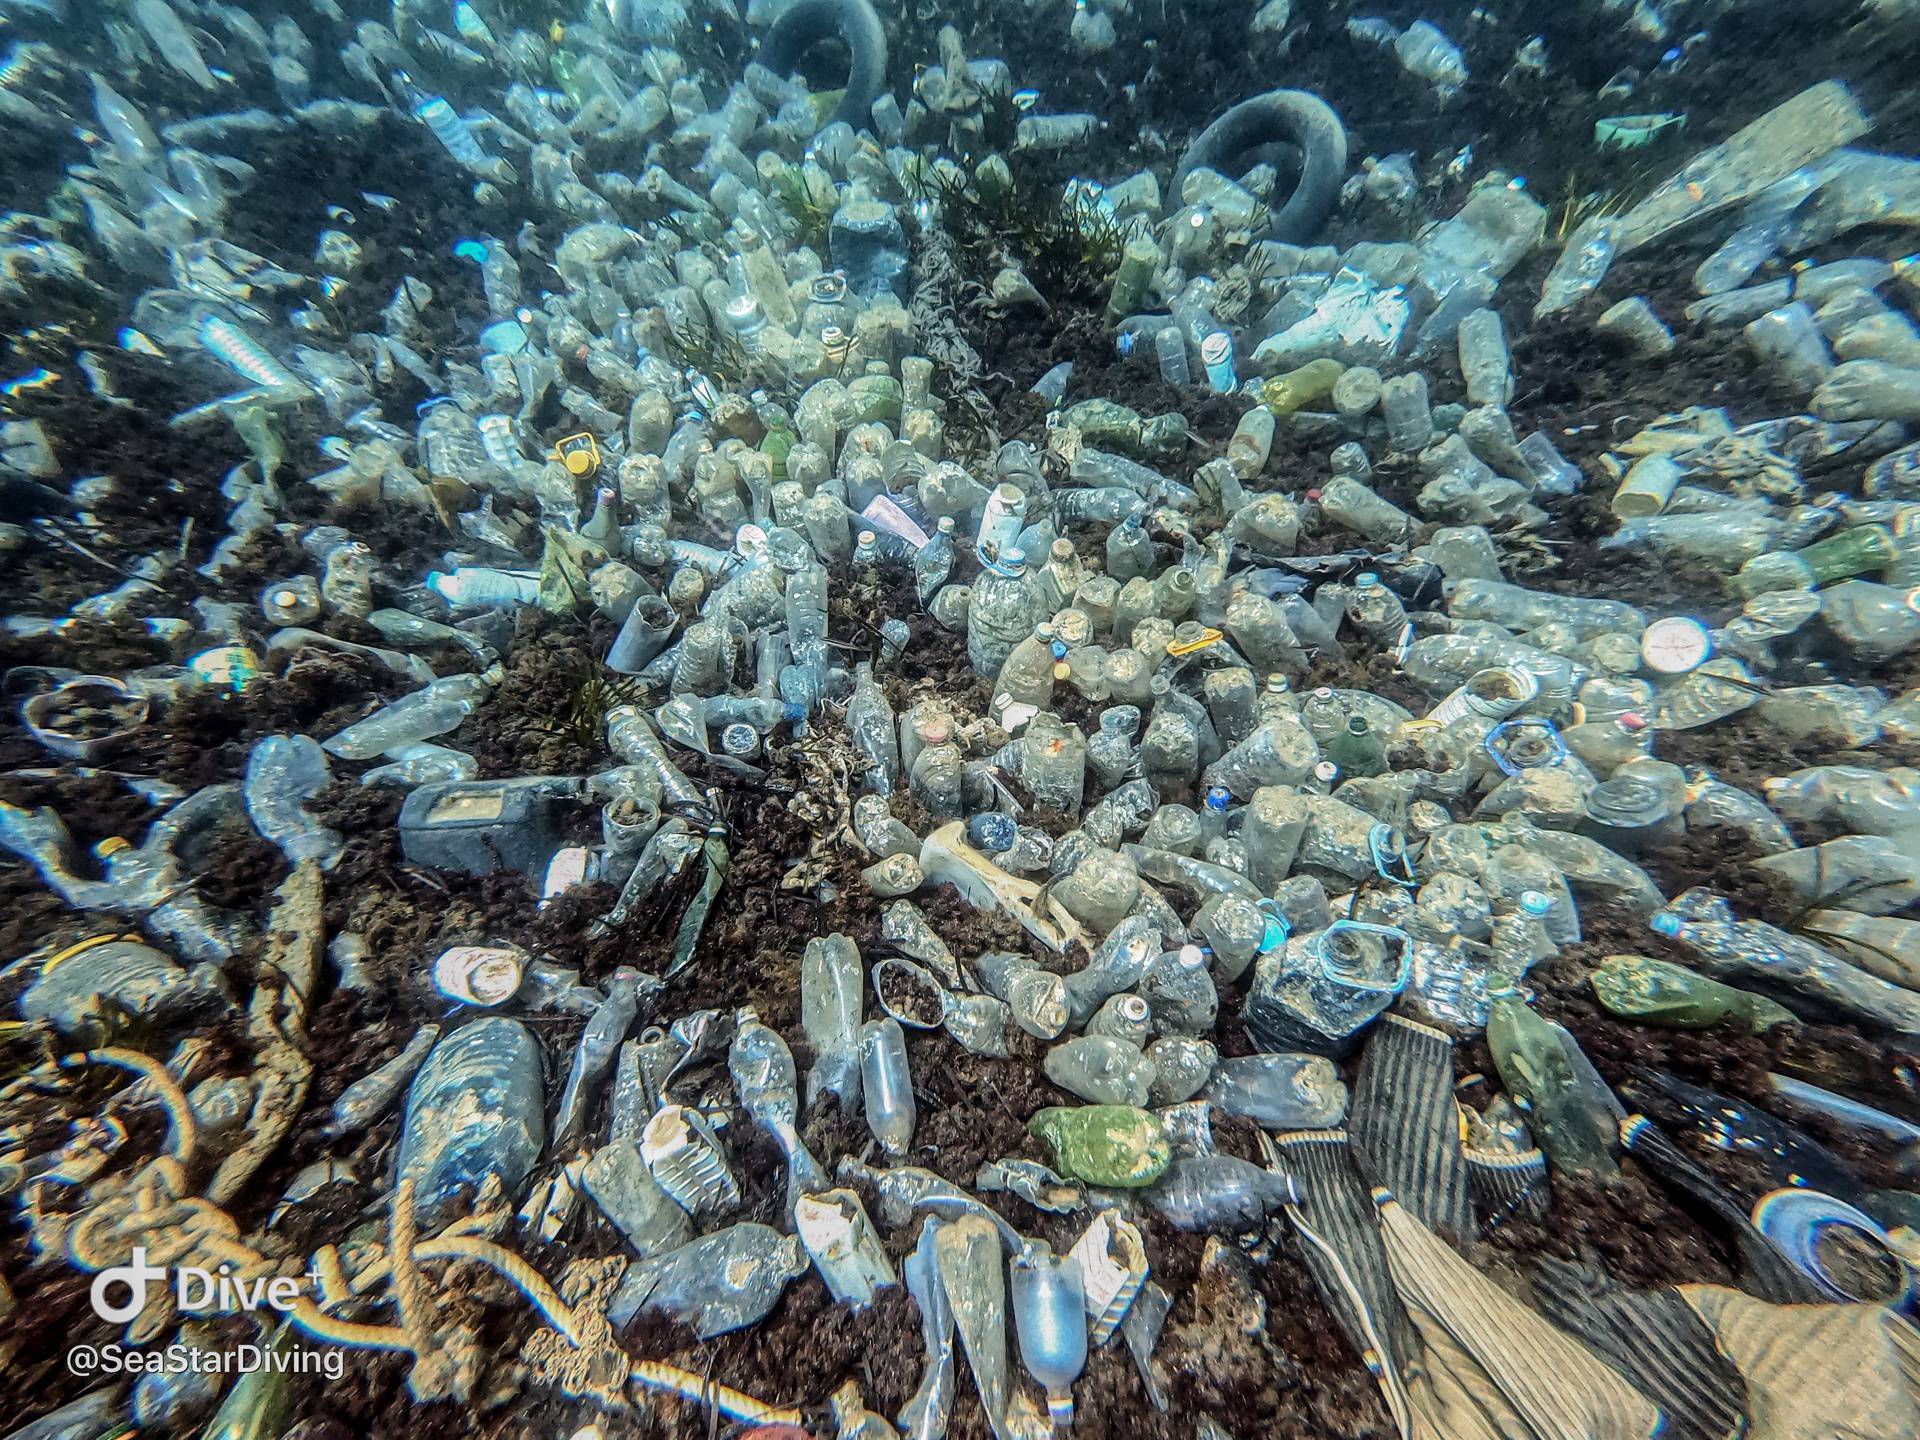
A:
[1656,992]
[1119,1146]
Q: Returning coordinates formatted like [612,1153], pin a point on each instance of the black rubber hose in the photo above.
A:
[805,23]
[1296,117]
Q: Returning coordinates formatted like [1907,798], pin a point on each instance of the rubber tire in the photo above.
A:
[1295,117]
[806,22]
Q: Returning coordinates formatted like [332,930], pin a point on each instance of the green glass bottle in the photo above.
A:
[1862,550]
[1569,1105]
[1357,750]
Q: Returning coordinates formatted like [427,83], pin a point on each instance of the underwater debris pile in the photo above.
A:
[623,815]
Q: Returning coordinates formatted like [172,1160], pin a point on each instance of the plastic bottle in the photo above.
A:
[283,773]
[887,1085]
[1376,610]
[1424,51]
[1484,358]
[1216,353]
[1357,750]
[432,710]
[1000,613]
[870,726]
[866,242]
[1347,502]
[1877,622]
[1170,351]
[1403,403]
[1129,551]
[1572,1112]
[474,1110]
[1050,1316]
[1251,442]
[1638,327]
[831,979]
[1789,343]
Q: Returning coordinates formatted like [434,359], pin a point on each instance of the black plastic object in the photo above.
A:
[806,23]
[1764,1272]
[1656,1340]
[1406,1127]
[1296,117]
[479,826]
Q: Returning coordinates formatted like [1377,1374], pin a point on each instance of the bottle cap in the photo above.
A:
[1533,902]
[1665,923]
[1631,720]
[1675,645]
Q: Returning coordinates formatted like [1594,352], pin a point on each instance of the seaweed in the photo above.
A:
[1067,239]
[695,344]
[596,693]
[804,206]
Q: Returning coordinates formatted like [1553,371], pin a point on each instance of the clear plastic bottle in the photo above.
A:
[1170,352]
[933,561]
[1582,265]
[887,1085]
[432,710]
[1251,442]
[1050,1316]
[1425,51]
[1403,403]
[937,779]
[1000,614]
[870,725]
[1129,551]
[1484,358]
[1029,676]
[1376,610]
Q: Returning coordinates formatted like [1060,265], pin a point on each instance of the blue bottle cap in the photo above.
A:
[1665,923]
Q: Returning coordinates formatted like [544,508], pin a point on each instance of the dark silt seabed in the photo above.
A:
[1173,69]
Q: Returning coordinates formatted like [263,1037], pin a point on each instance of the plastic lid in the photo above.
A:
[1665,923]
[1013,558]
[1366,580]
[1675,645]
[1631,720]
[1218,797]
[1216,347]
[1533,902]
